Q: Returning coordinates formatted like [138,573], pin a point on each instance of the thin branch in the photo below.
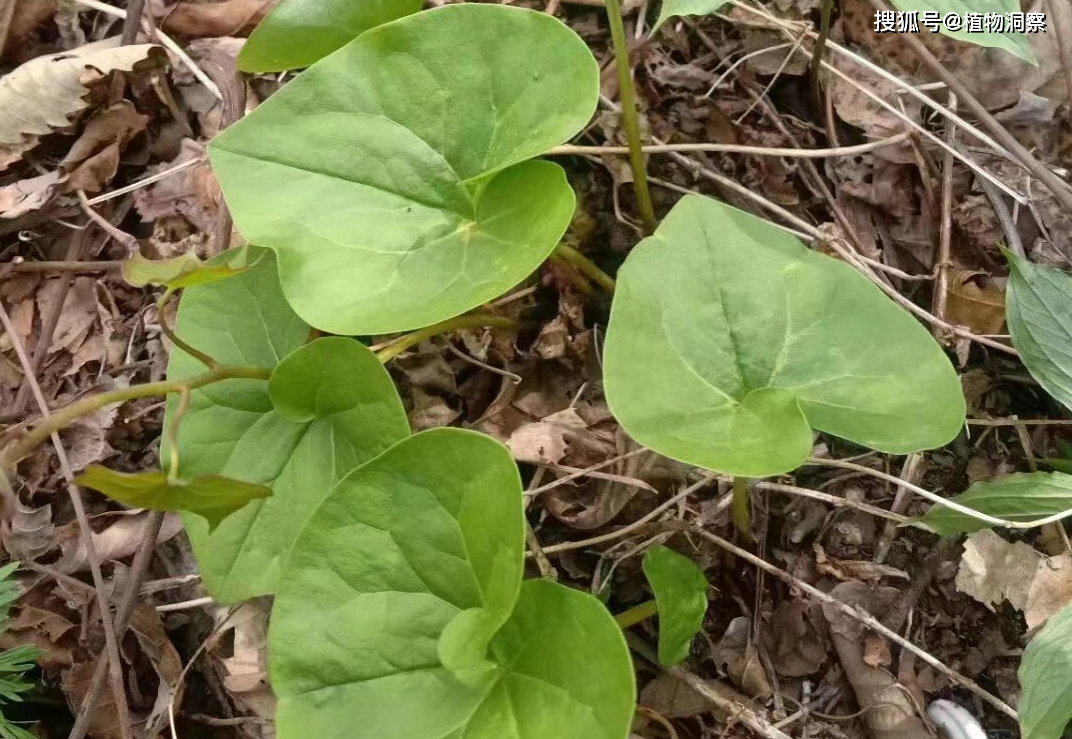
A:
[475,320]
[586,266]
[860,615]
[129,242]
[146,181]
[115,667]
[768,151]
[70,265]
[940,296]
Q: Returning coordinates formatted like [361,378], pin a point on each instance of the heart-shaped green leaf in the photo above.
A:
[1024,496]
[680,595]
[297,33]
[213,497]
[391,177]
[729,341]
[1038,311]
[401,552]
[1046,677]
[329,407]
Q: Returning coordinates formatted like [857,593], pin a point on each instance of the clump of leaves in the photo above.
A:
[15,662]
[729,341]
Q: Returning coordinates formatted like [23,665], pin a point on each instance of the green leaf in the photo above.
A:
[729,341]
[1014,43]
[671,8]
[1024,496]
[680,589]
[391,177]
[329,407]
[400,552]
[183,271]
[1038,310]
[1046,677]
[213,497]
[299,32]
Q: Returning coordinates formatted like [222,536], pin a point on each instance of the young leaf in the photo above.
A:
[729,341]
[213,497]
[1014,43]
[681,596]
[183,271]
[1046,677]
[671,8]
[401,550]
[297,33]
[1024,496]
[1039,315]
[337,408]
[391,177]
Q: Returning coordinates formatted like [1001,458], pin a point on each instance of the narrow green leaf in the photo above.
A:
[1024,496]
[213,497]
[391,177]
[297,33]
[680,589]
[403,550]
[1014,43]
[337,409]
[671,8]
[729,341]
[1046,677]
[1038,310]
[185,270]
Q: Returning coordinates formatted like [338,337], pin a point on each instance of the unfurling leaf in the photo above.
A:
[394,179]
[183,271]
[681,596]
[416,558]
[298,33]
[213,497]
[329,406]
[759,341]
[1039,313]
[1046,677]
[1024,496]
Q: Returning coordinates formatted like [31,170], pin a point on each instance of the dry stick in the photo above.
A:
[146,181]
[834,500]
[940,296]
[911,471]
[630,120]
[1056,186]
[132,21]
[69,265]
[111,644]
[138,570]
[583,473]
[128,241]
[1018,422]
[860,615]
[475,320]
[626,530]
[1061,31]
[735,149]
[734,709]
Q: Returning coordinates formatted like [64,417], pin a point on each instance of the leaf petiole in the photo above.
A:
[636,614]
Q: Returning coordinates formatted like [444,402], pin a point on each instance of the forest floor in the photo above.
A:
[734,78]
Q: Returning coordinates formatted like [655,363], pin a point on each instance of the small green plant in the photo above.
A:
[15,662]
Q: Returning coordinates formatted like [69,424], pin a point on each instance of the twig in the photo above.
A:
[940,296]
[138,569]
[833,500]
[939,500]
[475,320]
[792,152]
[1059,189]
[1062,32]
[70,265]
[132,21]
[630,119]
[145,181]
[86,533]
[860,615]
[185,605]
[911,471]
[128,241]
[583,473]
[1018,422]
[722,699]
[512,376]
[626,530]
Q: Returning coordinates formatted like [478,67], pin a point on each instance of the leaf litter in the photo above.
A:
[555,420]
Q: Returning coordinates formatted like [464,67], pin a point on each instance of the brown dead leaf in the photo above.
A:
[53,635]
[851,569]
[119,539]
[247,668]
[32,193]
[103,716]
[741,661]
[192,193]
[94,156]
[158,649]
[993,569]
[46,93]
[672,698]
[976,302]
[794,644]
[876,651]
[226,18]
[546,441]
[19,19]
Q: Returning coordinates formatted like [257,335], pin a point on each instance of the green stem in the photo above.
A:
[570,271]
[173,435]
[166,330]
[636,614]
[68,414]
[742,517]
[630,120]
[586,266]
[475,320]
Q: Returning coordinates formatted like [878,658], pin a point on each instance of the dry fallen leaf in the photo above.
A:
[29,194]
[118,540]
[94,157]
[974,301]
[546,441]
[247,669]
[226,18]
